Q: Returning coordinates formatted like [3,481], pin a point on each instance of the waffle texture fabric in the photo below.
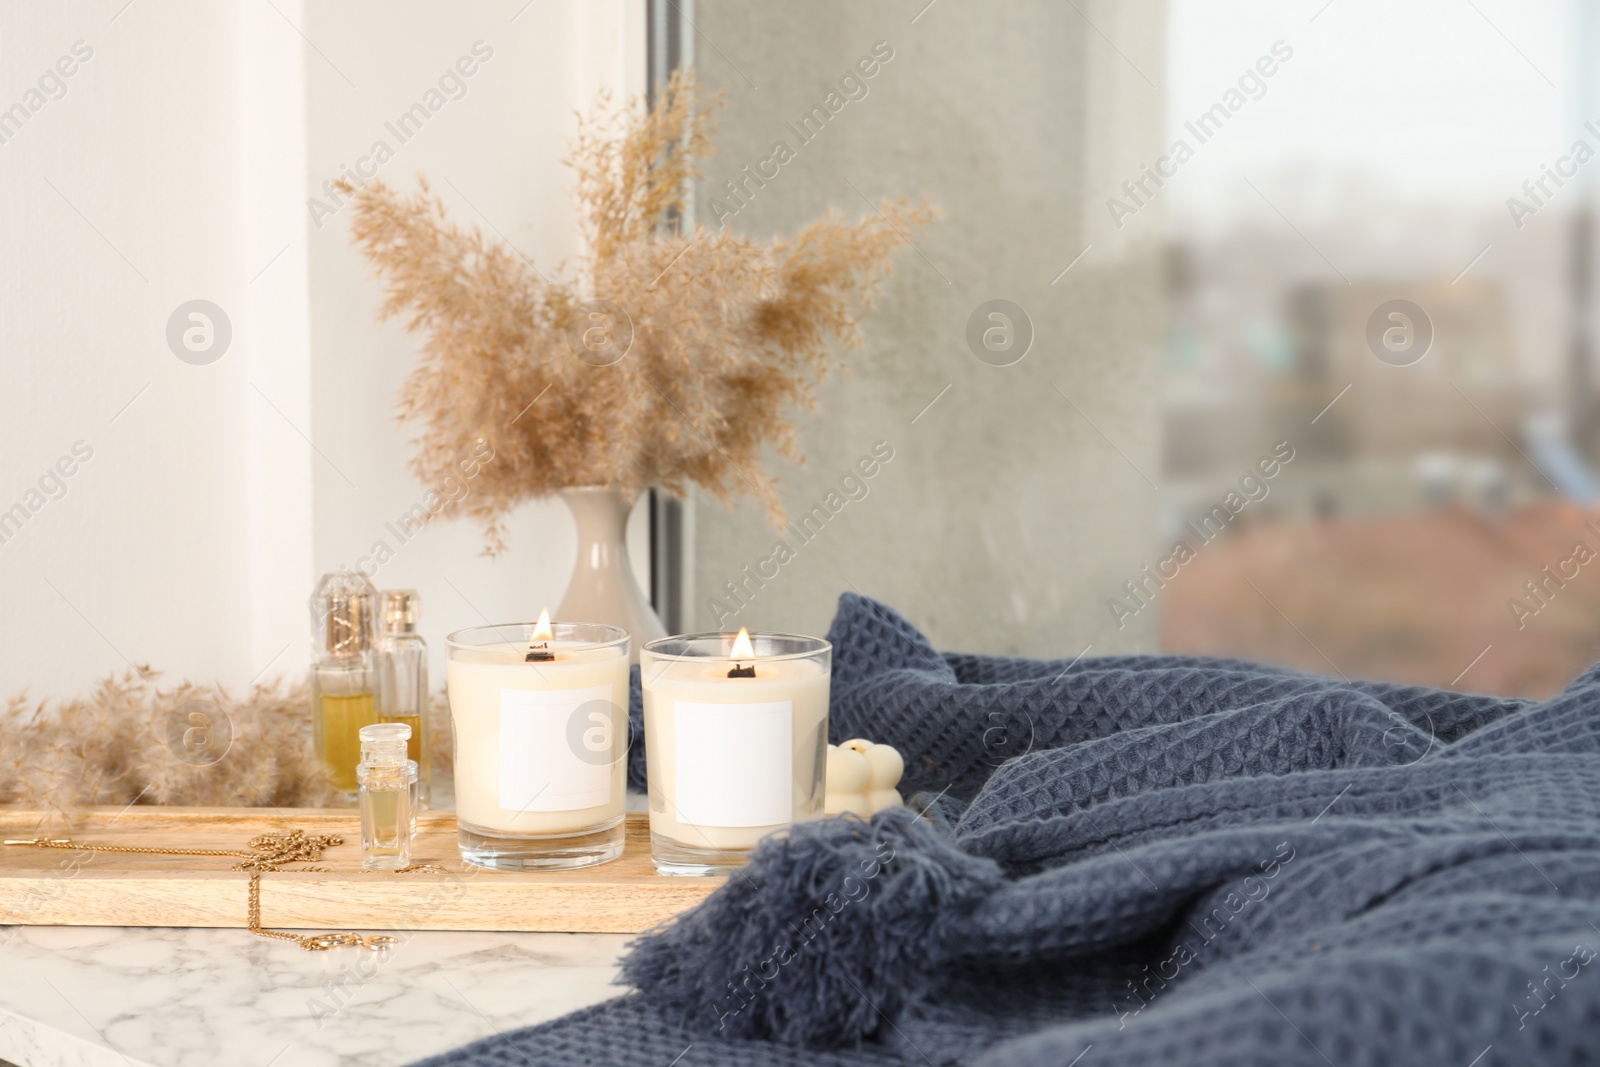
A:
[1177,861]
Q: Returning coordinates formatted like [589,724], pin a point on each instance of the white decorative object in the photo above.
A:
[862,778]
[603,587]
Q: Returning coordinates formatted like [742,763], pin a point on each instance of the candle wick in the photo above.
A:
[538,653]
[737,671]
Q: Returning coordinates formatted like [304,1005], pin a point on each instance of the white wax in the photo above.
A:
[553,764]
[800,684]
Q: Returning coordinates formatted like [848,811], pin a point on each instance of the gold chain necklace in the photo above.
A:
[268,852]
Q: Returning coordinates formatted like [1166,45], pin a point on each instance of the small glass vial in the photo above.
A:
[343,674]
[403,677]
[388,790]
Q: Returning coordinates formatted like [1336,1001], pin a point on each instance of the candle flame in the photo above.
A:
[541,630]
[742,648]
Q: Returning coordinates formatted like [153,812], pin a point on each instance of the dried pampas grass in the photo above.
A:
[132,741]
[723,335]
[129,742]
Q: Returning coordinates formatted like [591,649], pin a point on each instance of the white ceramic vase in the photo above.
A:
[603,587]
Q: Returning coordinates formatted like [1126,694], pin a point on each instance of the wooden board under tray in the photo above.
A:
[52,887]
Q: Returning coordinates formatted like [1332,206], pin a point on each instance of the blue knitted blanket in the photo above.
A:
[1145,860]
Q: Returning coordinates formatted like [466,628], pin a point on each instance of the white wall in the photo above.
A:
[177,165]
[119,201]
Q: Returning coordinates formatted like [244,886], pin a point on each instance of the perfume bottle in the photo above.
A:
[388,790]
[343,675]
[403,677]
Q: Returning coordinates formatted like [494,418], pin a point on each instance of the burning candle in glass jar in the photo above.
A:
[541,728]
[736,730]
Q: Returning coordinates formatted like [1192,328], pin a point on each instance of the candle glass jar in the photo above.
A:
[736,746]
[540,722]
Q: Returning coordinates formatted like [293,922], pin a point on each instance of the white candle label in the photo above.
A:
[540,768]
[735,763]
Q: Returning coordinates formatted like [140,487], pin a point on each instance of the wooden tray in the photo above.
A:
[54,887]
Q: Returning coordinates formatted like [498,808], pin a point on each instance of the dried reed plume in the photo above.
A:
[727,333]
[124,744]
[116,747]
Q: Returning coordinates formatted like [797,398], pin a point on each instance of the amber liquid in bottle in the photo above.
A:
[343,679]
[343,716]
[402,668]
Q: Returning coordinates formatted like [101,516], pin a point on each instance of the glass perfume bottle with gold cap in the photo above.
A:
[403,676]
[343,672]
